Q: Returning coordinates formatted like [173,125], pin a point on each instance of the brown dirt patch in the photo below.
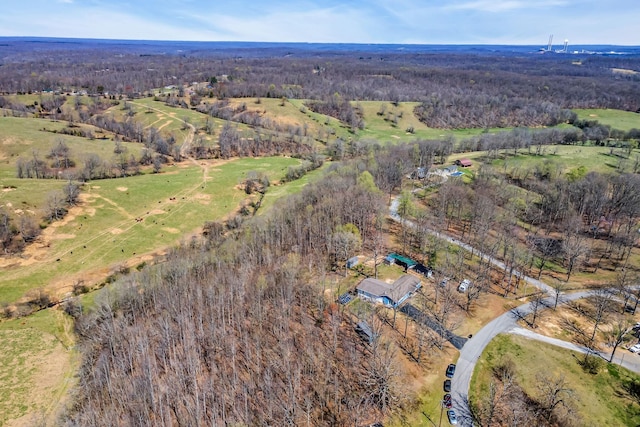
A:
[6,190]
[171,230]
[116,231]
[122,189]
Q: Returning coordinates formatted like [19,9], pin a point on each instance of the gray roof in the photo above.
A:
[403,286]
[394,291]
[374,286]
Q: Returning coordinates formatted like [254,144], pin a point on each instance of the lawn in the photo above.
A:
[617,119]
[602,399]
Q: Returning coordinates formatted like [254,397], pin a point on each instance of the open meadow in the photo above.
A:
[605,398]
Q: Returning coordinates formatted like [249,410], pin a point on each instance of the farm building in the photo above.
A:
[402,261]
[391,295]
[465,163]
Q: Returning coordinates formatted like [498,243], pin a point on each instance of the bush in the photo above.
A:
[592,364]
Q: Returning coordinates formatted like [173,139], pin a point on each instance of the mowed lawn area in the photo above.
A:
[602,399]
[617,119]
[121,220]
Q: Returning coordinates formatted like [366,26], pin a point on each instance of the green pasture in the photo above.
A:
[20,137]
[602,399]
[120,219]
[36,366]
[277,192]
[617,119]
[382,126]
[563,158]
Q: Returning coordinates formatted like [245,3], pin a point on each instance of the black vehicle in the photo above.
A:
[447,386]
[451,369]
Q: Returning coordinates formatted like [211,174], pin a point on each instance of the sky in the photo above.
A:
[513,22]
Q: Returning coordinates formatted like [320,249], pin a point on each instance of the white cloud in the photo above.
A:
[505,5]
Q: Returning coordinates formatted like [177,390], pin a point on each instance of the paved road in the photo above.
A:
[506,323]
[393,212]
[623,357]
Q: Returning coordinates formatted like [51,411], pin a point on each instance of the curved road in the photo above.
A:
[506,323]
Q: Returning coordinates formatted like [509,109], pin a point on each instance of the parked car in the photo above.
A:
[447,401]
[451,369]
[634,348]
[451,414]
[444,282]
[447,386]
[464,285]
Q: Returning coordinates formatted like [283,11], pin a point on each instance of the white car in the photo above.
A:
[464,285]
[634,348]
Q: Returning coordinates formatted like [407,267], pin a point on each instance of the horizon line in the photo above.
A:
[298,42]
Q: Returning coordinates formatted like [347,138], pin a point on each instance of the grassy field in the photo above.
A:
[123,219]
[617,119]
[562,158]
[37,363]
[599,400]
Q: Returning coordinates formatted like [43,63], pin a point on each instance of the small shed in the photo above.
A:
[465,163]
[364,330]
[403,261]
[352,262]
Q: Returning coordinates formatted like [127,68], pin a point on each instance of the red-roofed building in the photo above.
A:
[465,163]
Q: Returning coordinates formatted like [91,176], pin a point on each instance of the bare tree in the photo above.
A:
[552,393]
[536,305]
[615,336]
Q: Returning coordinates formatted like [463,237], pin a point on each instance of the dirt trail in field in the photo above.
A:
[41,254]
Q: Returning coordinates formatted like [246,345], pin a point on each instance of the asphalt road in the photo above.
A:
[506,323]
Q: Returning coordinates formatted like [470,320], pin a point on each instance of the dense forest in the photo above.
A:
[455,90]
[235,331]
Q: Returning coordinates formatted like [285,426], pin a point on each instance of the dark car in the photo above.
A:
[447,401]
[451,414]
[447,386]
[451,369]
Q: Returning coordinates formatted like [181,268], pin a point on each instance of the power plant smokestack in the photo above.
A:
[566,45]
[550,43]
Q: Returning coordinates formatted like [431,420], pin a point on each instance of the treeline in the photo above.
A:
[235,143]
[458,90]
[467,109]
[18,231]
[339,108]
[579,221]
[223,109]
[237,332]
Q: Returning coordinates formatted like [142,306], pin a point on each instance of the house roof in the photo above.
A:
[374,287]
[402,286]
[465,162]
[394,291]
